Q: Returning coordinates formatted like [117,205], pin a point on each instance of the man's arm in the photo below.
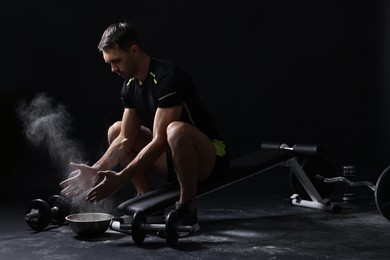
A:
[119,148]
[113,181]
[123,144]
[158,145]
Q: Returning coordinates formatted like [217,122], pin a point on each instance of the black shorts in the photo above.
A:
[221,167]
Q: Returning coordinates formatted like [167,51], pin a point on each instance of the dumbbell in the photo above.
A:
[381,189]
[39,213]
[139,228]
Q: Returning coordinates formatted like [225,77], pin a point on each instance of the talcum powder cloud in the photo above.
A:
[47,124]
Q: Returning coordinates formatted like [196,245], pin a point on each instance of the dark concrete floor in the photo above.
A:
[236,223]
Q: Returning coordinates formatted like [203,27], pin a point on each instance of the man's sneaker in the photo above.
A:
[186,217]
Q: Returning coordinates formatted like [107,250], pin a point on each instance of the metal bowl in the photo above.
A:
[89,224]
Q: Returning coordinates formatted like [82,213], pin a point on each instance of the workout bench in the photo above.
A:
[269,156]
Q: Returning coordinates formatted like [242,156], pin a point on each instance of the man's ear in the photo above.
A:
[133,49]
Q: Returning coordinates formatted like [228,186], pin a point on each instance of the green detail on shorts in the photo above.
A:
[130,80]
[153,76]
[220,147]
[189,114]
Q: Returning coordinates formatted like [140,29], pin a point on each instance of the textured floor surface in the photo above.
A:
[249,226]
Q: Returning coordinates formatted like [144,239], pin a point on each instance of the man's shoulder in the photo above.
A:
[168,70]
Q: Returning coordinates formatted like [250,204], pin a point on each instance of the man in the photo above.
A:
[164,126]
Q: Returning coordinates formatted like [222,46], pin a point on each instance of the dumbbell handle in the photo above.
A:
[115,225]
[346,181]
[35,215]
[54,210]
[31,216]
[126,227]
[123,228]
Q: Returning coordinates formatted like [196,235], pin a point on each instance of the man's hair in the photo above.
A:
[121,35]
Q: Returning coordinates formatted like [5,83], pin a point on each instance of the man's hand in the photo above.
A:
[111,183]
[83,181]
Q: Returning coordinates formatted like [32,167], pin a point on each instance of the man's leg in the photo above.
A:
[193,155]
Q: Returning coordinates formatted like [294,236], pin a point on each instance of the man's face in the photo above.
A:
[121,61]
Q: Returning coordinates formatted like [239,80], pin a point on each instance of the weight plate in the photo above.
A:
[38,214]
[137,232]
[63,209]
[312,167]
[382,193]
[171,228]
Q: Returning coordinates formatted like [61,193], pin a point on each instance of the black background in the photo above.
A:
[286,71]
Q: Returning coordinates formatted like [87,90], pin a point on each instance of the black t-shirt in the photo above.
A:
[166,85]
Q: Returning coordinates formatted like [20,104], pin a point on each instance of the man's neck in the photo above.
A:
[143,69]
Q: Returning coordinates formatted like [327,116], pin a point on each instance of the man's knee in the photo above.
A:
[178,132]
[113,131]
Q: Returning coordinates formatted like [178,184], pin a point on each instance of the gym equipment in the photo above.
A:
[313,167]
[269,156]
[89,224]
[349,173]
[381,190]
[39,213]
[138,227]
